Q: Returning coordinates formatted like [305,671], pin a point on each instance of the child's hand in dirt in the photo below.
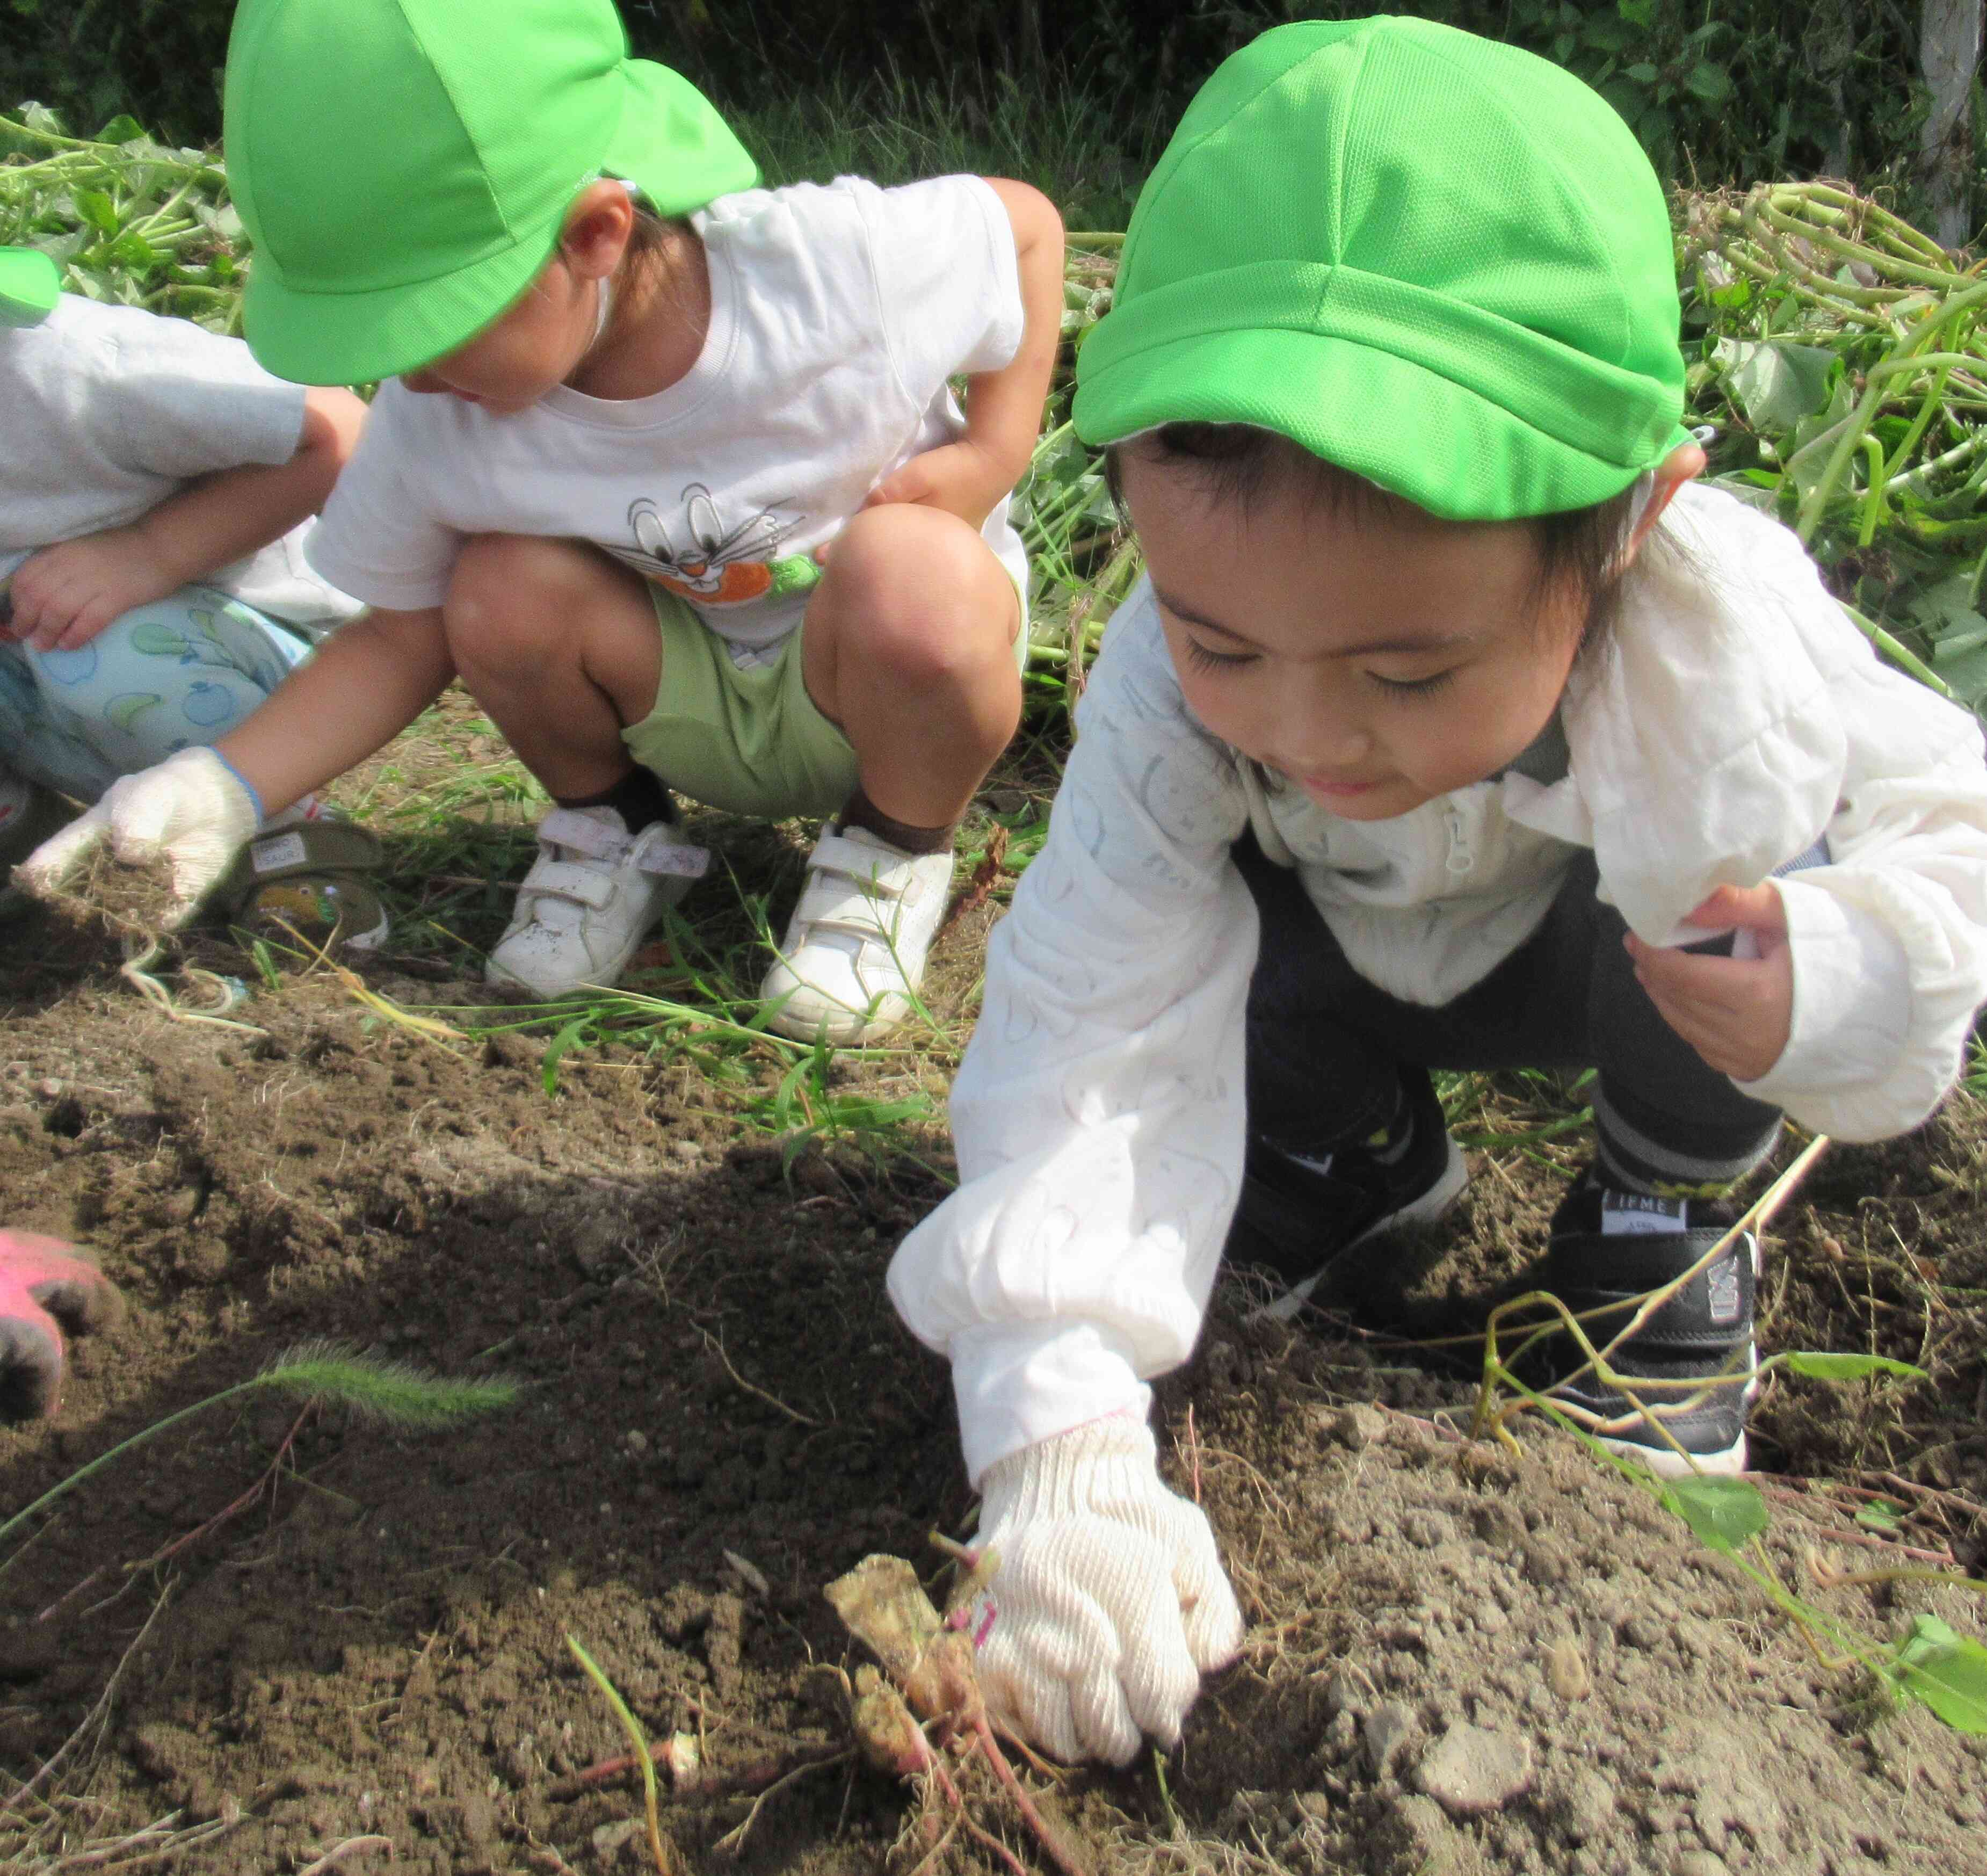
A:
[960,477]
[1106,1602]
[63,596]
[41,1279]
[190,815]
[1736,1012]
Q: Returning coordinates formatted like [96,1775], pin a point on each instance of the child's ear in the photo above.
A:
[1657,489]
[597,227]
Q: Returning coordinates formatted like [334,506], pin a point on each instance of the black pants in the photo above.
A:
[1324,1044]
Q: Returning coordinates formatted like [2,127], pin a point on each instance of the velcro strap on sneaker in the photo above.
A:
[586,885]
[567,827]
[880,874]
[674,859]
[1707,1319]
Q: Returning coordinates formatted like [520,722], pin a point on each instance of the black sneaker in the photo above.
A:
[1609,1246]
[1297,1215]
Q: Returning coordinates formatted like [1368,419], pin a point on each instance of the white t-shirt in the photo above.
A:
[106,411]
[837,315]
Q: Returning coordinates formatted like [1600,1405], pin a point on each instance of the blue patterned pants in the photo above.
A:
[185,670]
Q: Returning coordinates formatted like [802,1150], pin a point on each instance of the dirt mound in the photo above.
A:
[1458,1660]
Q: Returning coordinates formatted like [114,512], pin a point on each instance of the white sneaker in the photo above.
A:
[589,899]
[854,951]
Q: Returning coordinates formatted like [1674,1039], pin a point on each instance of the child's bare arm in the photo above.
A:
[1003,408]
[193,811]
[366,684]
[65,596]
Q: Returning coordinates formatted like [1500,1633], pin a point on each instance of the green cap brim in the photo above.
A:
[672,145]
[30,285]
[357,338]
[668,141]
[1409,430]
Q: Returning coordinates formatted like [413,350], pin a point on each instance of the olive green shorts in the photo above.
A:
[750,741]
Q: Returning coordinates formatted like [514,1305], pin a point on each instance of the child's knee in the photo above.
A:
[513,594]
[919,591]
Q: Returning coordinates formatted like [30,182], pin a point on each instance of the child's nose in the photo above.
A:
[1321,734]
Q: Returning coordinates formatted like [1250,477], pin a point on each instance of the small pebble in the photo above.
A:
[1387,1729]
[1470,1770]
[1566,1670]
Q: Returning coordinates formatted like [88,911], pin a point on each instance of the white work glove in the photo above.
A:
[1106,1602]
[191,810]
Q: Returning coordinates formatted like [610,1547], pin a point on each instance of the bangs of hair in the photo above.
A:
[1581,551]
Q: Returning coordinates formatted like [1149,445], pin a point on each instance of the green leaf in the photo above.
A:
[1822,1365]
[1947,1672]
[1965,675]
[572,1033]
[134,251]
[1722,1512]
[1947,610]
[1881,1515]
[123,130]
[1637,12]
[97,208]
[1775,383]
[1711,83]
[1643,74]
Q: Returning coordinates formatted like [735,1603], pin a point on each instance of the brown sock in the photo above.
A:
[639,797]
[859,810]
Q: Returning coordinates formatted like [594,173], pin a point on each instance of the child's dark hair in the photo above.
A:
[1580,550]
[650,243]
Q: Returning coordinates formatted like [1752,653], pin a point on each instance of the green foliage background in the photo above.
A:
[1724,91]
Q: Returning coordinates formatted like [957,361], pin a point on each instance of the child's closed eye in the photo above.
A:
[1202,659]
[1412,687]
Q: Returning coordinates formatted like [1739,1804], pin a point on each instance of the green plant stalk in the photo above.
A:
[137,1440]
[1842,206]
[1768,275]
[1896,267]
[1933,402]
[320,1373]
[1908,357]
[1873,510]
[1803,1613]
[1905,659]
[1918,481]
[632,1728]
[1758,1212]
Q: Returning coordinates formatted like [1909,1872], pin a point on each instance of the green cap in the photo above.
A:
[1438,262]
[30,284]
[404,167]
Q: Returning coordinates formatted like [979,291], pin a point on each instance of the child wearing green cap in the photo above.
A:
[1452,726]
[156,487]
[668,472]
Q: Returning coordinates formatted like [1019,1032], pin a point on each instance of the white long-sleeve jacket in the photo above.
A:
[1734,716]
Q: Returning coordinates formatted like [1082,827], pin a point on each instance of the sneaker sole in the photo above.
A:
[839,1029]
[1665,1464]
[1432,1205]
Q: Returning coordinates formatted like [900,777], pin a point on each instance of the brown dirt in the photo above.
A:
[106,894]
[1458,1662]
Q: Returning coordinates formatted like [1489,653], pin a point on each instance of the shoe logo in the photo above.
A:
[1722,1280]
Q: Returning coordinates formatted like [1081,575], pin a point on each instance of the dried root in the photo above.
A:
[923,1716]
[105,894]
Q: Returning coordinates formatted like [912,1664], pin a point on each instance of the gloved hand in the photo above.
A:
[41,1278]
[1106,1603]
[191,810]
